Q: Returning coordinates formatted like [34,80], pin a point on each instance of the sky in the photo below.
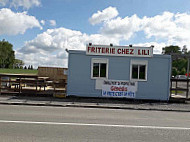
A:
[41,30]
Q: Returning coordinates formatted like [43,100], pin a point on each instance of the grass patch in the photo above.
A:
[178,92]
[18,71]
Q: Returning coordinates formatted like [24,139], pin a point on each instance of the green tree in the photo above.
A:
[7,55]
[183,71]
[18,64]
[175,71]
[179,66]
[172,49]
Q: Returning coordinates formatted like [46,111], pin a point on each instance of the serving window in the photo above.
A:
[138,70]
[99,68]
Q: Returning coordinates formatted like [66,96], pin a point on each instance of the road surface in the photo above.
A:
[59,124]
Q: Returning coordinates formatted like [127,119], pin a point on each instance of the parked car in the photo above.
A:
[181,77]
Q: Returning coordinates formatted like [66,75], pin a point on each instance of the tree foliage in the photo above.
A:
[7,55]
[179,66]
[18,64]
[172,49]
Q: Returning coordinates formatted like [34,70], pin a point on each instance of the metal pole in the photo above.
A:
[176,88]
[0,85]
[171,76]
[36,85]
[187,78]
[20,85]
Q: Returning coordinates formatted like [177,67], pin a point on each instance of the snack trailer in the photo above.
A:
[119,72]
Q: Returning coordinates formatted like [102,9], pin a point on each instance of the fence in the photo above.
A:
[53,73]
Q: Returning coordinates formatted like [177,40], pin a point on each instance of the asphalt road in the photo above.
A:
[58,124]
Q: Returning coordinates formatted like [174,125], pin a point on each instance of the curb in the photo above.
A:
[129,108]
[91,106]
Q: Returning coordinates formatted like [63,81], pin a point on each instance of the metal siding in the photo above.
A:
[155,88]
[119,68]
[80,83]
[169,76]
[68,75]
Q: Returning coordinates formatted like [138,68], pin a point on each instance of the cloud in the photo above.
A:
[16,23]
[26,4]
[103,15]
[62,55]
[52,22]
[157,46]
[48,48]
[174,28]
[121,28]
[42,22]
[41,59]
[3,2]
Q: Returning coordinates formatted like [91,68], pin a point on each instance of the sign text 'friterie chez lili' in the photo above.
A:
[119,50]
